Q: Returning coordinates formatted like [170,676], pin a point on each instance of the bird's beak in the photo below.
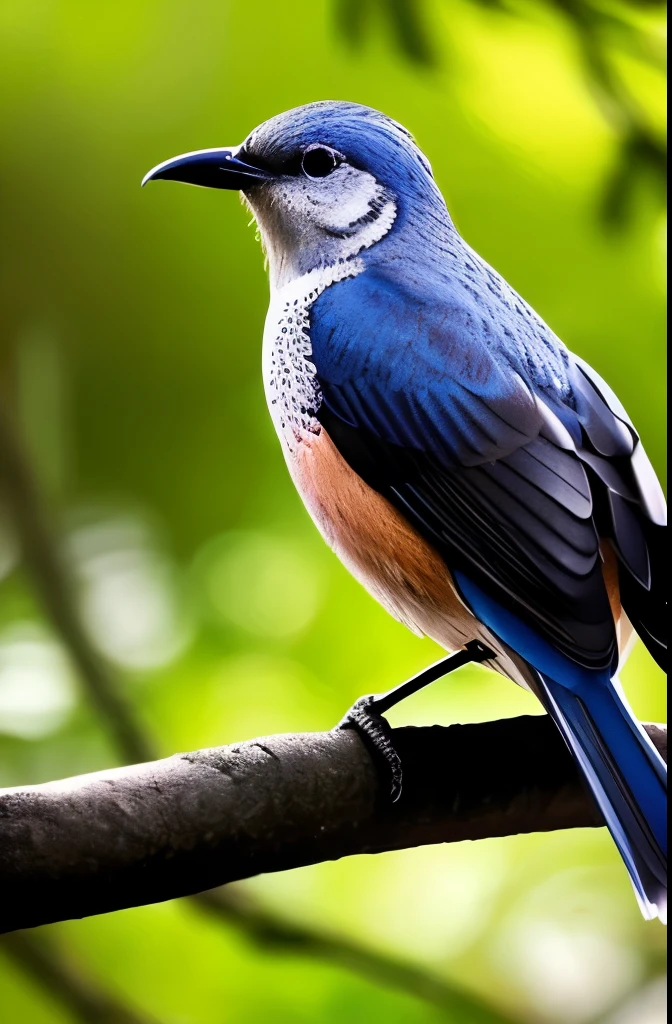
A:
[210,168]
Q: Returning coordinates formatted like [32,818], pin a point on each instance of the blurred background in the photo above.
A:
[157,568]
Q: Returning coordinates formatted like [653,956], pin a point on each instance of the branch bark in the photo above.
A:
[156,831]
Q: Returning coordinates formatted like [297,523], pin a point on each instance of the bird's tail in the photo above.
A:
[626,776]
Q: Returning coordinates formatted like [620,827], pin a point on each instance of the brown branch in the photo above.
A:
[170,828]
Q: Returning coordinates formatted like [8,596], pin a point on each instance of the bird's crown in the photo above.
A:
[365,137]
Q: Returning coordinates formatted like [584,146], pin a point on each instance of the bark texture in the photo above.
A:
[155,831]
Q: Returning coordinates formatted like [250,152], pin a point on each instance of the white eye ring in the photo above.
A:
[319,161]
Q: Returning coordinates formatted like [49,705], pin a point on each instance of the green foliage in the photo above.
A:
[602,33]
[132,324]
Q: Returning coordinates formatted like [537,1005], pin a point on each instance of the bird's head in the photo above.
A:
[325,182]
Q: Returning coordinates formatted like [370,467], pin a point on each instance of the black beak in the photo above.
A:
[210,168]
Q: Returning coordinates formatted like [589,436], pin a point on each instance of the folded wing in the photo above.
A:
[514,484]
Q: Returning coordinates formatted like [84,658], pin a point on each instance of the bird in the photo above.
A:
[482,481]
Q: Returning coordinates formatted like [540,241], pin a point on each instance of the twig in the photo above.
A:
[68,983]
[156,831]
[270,932]
[54,583]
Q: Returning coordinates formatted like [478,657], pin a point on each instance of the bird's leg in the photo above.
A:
[366,714]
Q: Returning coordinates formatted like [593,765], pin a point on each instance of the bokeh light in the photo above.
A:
[37,685]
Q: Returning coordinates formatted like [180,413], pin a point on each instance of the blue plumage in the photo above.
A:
[505,465]
[624,771]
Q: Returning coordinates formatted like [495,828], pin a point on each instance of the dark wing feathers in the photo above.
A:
[513,484]
[628,538]
[615,478]
[634,518]
[607,433]
[562,478]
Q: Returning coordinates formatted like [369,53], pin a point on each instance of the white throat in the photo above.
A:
[290,377]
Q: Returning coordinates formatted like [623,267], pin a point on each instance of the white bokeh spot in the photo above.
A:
[37,687]
[130,596]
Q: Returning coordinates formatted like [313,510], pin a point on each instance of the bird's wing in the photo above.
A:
[633,512]
[513,485]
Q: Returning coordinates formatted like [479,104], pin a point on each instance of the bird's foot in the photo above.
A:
[366,714]
[376,733]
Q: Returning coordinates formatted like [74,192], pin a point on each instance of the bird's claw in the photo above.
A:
[366,714]
[376,733]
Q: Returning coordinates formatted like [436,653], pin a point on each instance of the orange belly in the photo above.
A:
[382,550]
[379,547]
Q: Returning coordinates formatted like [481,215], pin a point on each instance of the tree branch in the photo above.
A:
[55,584]
[156,831]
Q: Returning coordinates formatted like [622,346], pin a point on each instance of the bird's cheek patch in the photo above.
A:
[347,201]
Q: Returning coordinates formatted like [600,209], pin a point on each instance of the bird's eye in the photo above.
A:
[319,161]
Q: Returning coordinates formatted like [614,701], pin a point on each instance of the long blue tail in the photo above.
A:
[618,761]
[626,775]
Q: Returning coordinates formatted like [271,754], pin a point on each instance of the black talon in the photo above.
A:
[366,714]
[376,733]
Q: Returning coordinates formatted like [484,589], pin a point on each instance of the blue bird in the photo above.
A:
[481,481]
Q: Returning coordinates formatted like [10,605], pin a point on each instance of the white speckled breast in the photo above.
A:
[290,379]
